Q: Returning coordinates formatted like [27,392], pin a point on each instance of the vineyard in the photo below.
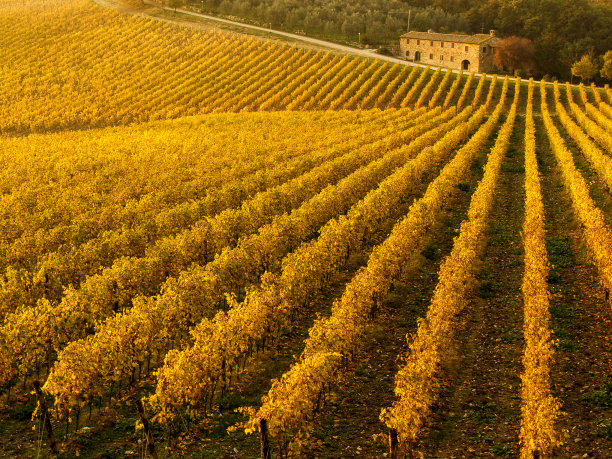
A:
[216,245]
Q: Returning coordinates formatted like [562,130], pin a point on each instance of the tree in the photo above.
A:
[606,70]
[514,53]
[352,25]
[585,68]
[572,51]
[175,4]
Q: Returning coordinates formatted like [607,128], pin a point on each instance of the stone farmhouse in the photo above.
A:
[455,51]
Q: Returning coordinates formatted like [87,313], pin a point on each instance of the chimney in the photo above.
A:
[430,31]
[492,32]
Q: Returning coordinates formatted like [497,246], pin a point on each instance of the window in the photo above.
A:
[407,40]
[484,49]
[431,56]
[431,43]
[407,53]
[441,44]
[466,49]
[418,42]
[441,58]
[452,45]
[452,58]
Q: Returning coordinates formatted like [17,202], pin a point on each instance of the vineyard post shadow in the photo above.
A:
[147,429]
[44,413]
[393,449]
[264,440]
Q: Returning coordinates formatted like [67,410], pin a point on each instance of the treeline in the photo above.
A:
[561,30]
[375,22]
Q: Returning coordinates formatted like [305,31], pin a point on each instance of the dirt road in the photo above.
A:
[121,6]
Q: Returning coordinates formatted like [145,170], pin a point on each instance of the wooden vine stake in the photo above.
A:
[265,441]
[44,412]
[393,445]
[147,429]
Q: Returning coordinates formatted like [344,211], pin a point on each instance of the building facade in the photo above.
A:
[455,51]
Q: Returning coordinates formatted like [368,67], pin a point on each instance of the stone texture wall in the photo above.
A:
[449,54]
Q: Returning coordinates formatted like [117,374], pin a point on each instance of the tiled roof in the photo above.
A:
[450,37]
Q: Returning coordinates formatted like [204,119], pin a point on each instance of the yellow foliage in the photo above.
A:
[539,408]
[417,383]
[342,332]
[597,234]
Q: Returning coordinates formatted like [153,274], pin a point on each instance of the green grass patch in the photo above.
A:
[465,187]
[509,336]
[488,289]
[481,439]
[501,450]
[477,165]
[21,412]
[562,311]
[500,235]
[601,397]
[564,340]
[483,412]
[560,253]
[513,168]
[604,429]
[430,252]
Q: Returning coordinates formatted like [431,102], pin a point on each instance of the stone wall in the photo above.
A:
[449,54]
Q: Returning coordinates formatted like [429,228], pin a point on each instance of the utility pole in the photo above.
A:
[409,14]
[359,33]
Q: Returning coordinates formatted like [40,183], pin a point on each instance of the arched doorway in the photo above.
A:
[465,65]
[417,56]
